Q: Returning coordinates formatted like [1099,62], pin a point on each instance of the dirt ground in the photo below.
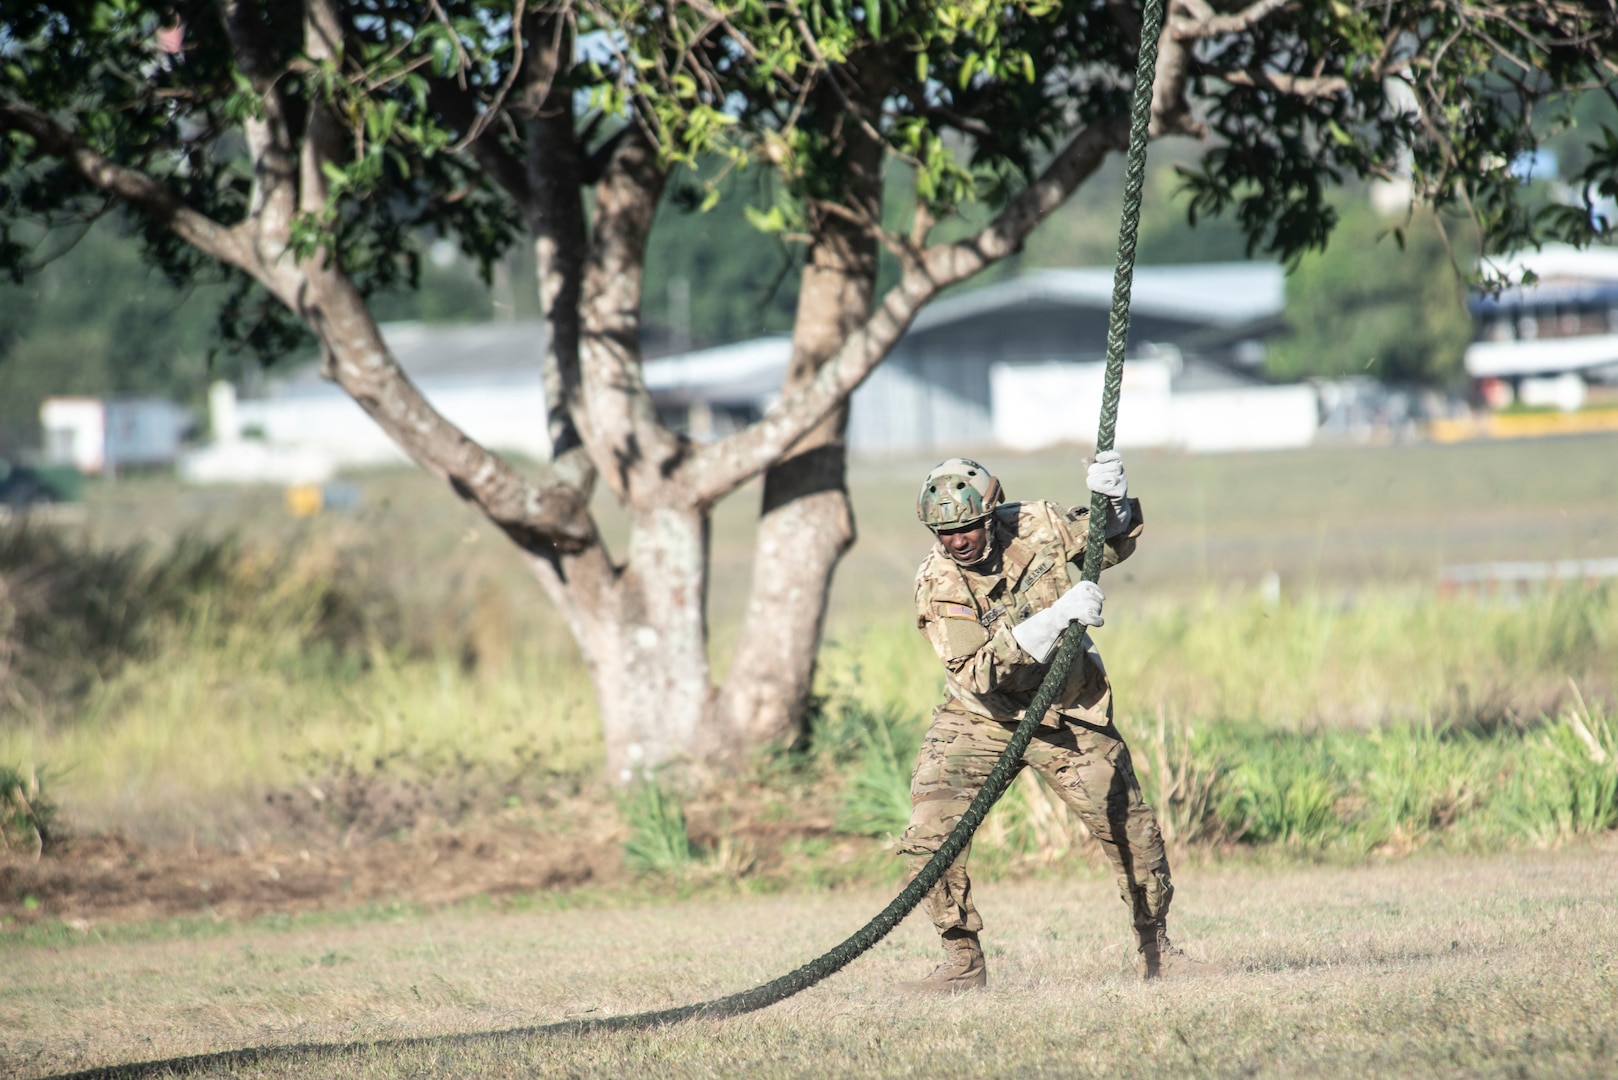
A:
[95,880]
[90,881]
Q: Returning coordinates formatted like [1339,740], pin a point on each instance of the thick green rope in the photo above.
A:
[1000,777]
[1005,769]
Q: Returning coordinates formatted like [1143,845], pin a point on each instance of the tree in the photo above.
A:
[1382,301]
[302,149]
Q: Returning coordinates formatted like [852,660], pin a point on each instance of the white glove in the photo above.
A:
[1038,633]
[1106,475]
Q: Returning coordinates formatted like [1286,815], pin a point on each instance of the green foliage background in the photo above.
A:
[1370,305]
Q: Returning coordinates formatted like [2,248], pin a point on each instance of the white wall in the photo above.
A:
[504,413]
[1037,405]
[1252,418]
[328,421]
[916,402]
[75,432]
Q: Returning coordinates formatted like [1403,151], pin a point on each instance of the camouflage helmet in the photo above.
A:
[957,494]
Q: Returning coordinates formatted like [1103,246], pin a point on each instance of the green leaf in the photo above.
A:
[443,55]
[773,221]
[969,68]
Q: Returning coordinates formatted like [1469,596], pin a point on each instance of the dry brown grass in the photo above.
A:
[1502,966]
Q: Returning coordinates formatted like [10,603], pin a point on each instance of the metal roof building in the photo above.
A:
[485,377]
[1017,363]
[1565,322]
[1011,363]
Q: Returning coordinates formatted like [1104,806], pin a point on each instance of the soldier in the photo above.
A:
[993,597]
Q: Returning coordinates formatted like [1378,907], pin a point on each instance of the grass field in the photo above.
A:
[1394,810]
[1501,966]
[1334,516]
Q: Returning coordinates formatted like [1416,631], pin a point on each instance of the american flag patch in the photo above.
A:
[957,611]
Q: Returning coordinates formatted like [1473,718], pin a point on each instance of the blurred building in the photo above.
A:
[1016,364]
[301,428]
[1547,343]
[1019,364]
[484,377]
[104,435]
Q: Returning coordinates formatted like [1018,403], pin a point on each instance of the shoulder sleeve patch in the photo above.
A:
[955,611]
[963,637]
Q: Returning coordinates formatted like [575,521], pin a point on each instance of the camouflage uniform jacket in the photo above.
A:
[968,612]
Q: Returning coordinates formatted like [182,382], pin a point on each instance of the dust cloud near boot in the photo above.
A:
[962,969]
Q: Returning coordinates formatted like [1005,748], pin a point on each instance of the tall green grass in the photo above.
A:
[74,618]
[659,840]
[230,671]
[1360,660]
[1342,793]
[1323,726]
[164,689]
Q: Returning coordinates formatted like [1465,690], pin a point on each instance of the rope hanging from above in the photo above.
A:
[1005,770]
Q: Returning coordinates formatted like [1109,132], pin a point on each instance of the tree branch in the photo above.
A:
[556,220]
[323,134]
[615,417]
[1203,22]
[1295,85]
[481,121]
[274,199]
[1303,86]
[454,104]
[1171,109]
[718,468]
[542,518]
[228,245]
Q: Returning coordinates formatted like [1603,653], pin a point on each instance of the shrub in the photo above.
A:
[26,813]
[1283,792]
[1567,784]
[875,799]
[659,841]
[72,616]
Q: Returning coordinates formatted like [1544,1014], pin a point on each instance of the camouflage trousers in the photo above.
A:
[1086,764]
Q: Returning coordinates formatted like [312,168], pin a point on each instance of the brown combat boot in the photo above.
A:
[961,970]
[1160,958]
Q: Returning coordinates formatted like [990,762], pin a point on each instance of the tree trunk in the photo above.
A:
[806,522]
[642,629]
[805,526]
